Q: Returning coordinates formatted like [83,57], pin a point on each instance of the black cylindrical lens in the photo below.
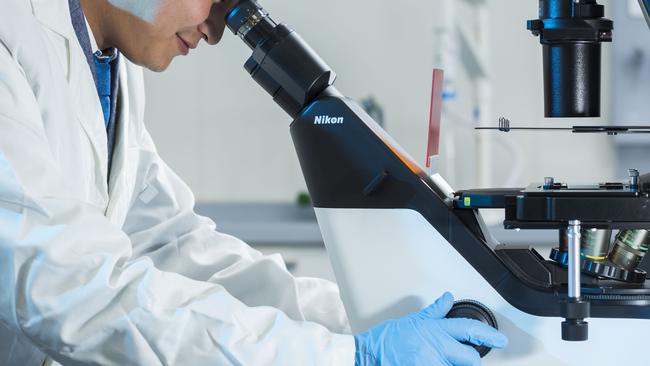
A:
[571,33]
[572,79]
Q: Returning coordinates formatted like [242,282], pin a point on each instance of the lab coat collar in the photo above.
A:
[54,14]
[91,36]
[119,175]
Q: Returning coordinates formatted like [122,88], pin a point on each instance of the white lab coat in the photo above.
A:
[130,276]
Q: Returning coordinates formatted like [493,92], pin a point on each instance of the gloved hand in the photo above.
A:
[426,338]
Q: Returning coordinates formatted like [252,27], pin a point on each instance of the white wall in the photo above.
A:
[230,142]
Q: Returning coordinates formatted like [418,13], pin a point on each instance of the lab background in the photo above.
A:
[230,142]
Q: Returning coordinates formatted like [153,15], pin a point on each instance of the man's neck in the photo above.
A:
[96,12]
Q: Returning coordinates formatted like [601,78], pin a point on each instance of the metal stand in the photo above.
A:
[574,237]
[574,310]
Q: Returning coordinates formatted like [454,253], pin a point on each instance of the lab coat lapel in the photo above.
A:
[55,15]
[119,179]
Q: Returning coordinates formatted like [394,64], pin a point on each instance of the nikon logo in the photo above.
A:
[327,120]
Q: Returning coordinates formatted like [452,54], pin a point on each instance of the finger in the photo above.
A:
[461,354]
[474,332]
[438,309]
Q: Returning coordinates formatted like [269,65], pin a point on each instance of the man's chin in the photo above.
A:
[157,65]
[154,64]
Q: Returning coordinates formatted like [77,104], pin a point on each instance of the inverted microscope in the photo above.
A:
[387,224]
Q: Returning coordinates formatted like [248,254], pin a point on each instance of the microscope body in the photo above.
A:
[397,238]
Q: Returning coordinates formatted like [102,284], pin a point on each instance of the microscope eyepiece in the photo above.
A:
[282,62]
[250,22]
[571,33]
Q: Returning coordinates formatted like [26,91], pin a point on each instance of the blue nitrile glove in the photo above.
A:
[426,338]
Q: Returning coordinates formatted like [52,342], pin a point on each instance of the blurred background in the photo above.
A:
[230,142]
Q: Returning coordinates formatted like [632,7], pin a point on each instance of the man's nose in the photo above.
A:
[213,27]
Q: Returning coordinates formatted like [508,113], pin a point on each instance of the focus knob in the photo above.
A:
[474,310]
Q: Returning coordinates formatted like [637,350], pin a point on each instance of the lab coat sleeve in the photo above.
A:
[163,226]
[72,284]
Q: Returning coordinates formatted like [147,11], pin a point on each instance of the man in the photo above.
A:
[102,259]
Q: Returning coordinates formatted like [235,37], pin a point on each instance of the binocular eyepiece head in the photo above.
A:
[282,62]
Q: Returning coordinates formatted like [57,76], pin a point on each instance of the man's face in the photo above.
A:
[152,32]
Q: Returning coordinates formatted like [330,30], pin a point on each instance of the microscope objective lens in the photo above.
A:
[629,249]
[594,243]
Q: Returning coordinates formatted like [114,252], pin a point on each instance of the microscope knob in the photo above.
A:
[474,310]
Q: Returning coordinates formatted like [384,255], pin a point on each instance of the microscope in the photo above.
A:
[389,225]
